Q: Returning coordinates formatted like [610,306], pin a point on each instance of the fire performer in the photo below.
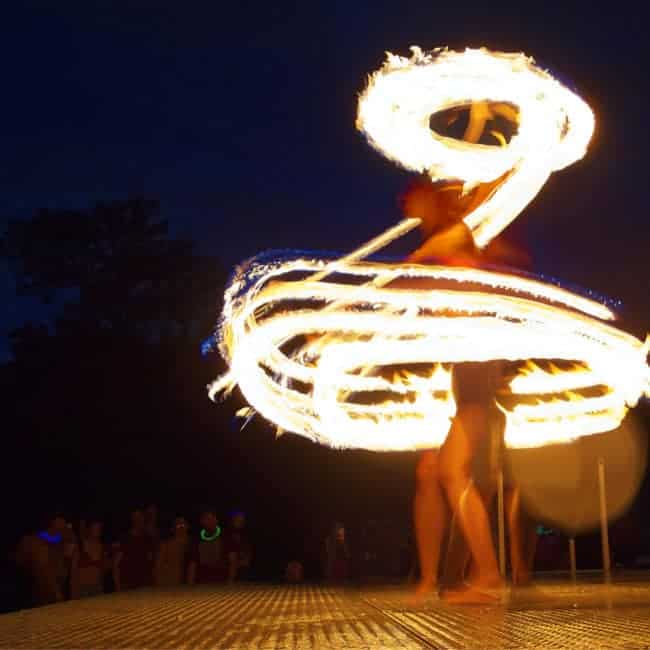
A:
[355,330]
[445,479]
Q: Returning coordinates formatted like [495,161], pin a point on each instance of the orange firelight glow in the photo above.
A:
[335,351]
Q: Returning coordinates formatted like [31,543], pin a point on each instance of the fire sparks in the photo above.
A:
[336,351]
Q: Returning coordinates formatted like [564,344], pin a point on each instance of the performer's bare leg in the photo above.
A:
[458,563]
[455,458]
[456,558]
[431,515]
[472,572]
[520,573]
[523,539]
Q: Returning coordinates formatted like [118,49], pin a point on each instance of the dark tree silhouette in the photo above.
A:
[117,270]
[102,396]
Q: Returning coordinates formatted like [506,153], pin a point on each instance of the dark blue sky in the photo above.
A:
[240,118]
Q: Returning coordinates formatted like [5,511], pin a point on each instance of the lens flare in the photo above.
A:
[559,483]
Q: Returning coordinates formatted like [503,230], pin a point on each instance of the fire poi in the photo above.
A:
[328,349]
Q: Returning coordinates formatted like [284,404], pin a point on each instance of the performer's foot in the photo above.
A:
[426,590]
[491,593]
[521,579]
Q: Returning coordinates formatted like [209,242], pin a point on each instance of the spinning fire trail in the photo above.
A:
[328,349]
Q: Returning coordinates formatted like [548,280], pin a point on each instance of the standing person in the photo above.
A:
[88,576]
[445,485]
[208,561]
[133,556]
[172,555]
[294,572]
[42,558]
[151,524]
[70,559]
[369,556]
[447,240]
[238,548]
[337,555]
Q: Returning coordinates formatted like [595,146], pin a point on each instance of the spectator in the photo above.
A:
[238,548]
[208,562]
[312,552]
[337,555]
[294,572]
[15,582]
[88,576]
[42,558]
[370,564]
[172,554]
[70,559]
[133,556]
[151,524]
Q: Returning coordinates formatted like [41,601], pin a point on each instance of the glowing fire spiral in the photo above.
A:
[333,351]
[554,125]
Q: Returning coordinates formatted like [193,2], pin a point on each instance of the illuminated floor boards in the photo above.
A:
[550,615]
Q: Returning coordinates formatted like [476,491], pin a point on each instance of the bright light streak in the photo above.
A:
[533,380]
[554,125]
[362,326]
[336,351]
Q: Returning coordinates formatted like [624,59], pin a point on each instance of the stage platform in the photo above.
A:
[553,614]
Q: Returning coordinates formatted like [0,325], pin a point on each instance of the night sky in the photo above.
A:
[239,117]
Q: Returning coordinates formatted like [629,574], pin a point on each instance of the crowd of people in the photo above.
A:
[62,560]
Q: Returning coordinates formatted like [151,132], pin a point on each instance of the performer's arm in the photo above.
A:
[451,242]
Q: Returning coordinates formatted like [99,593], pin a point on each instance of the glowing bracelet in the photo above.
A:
[207,538]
